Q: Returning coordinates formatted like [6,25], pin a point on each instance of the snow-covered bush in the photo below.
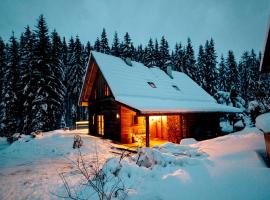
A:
[168,154]
[255,108]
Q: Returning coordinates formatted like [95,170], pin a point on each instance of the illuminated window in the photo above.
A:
[176,87]
[152,84]
[106,91]
[100,123]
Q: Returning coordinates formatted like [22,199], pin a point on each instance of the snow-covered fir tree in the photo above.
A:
[201,66]
[222,75]
[75,74]
[211,73]
[104,45]
[27,56]
[164,54]
[126,51]
[115,50]
[233,74]
[189,66]
[3,66]
[149,58]
[97,45]
[58,89]
[178,58]
[11,90]
[41,77]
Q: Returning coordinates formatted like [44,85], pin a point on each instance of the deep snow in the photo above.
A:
[228,167]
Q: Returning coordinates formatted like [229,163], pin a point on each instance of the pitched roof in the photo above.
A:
[265,62]
[131,85]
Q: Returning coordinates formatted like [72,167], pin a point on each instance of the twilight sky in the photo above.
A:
[234,24]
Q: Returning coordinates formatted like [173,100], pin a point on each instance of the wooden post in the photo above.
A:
[147,131]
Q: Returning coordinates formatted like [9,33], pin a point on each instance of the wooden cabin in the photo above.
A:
[129,102]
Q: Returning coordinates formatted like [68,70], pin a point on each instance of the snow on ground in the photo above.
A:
[29,167]
[227,167]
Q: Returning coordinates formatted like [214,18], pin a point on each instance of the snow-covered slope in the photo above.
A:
[228,167]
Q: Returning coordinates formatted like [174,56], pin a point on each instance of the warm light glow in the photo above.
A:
[117,116]
[154,118]
[81,122]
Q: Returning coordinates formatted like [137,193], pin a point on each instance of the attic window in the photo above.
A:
[176,87]
[152,84]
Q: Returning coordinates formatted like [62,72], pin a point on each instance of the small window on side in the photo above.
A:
[152,84]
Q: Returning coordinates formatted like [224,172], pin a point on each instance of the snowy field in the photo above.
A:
[228,167]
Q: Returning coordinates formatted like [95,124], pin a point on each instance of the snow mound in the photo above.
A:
[168,154]
[188,141]
[263,122]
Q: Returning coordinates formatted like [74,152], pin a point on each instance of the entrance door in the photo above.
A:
[100,124]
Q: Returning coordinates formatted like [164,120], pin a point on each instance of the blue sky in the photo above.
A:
[234,24]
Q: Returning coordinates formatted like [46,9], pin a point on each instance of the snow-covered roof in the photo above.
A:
[131,85]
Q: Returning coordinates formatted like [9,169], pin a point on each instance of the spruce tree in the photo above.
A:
[115,50]
[3,67]
[149,58]
[41,76]
[97,45]
[75,74]
[104,45]
[211,73]
[164,55]
[189,66]
[233,75]
[58,89]
[179,55]
[201,69]
[222,75]
[11,110]
[27,56]
[126,51]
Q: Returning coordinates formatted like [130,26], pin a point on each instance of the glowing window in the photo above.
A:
[152,84]
[106,91]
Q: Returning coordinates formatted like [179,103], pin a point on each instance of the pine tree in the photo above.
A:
[233,75]
[211,73]
[41,76]
[75,74]
[3,67]
[10,117]
[27,94]
[244,74]
[97,45]
[164,54]
[139,57]
[189,66]
[179,55]
[222,75]
[201,72]
[149,58]
[126,51]
[58,89]
[115,51]
[104,45]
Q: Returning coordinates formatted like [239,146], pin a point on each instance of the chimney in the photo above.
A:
[169,71]
[128,61]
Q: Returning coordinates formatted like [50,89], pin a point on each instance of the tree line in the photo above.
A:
[41,74]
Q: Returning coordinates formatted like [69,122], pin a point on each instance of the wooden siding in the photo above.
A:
[112,125]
